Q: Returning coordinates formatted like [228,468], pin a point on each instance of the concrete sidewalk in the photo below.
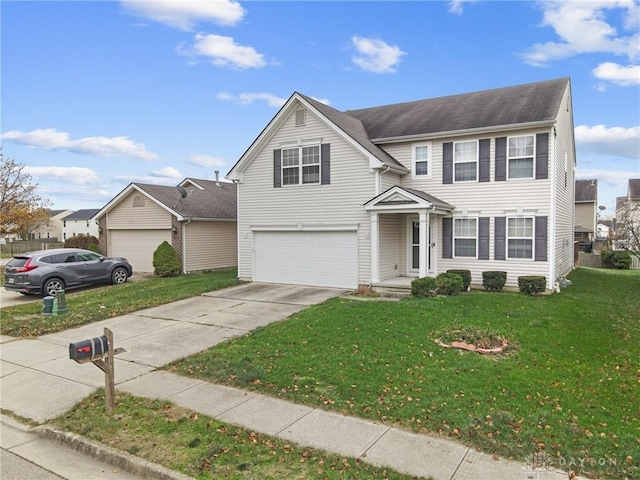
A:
[39,382]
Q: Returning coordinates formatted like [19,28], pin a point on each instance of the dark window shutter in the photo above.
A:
[325,163]
[485,160]
[542,156]
[447,163]
[501,159]
[277,168]
[483,238]
[500,240]
[447,238]
[541,239]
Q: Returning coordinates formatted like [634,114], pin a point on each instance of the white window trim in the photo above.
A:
[414,160]
[477,162]
[301,165]
[454,237]
[532,238]
[533,158]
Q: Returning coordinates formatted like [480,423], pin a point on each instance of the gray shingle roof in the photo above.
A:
[216,201]
[634,188]
[533,102]
[429,198]
[586,190]
[83,214]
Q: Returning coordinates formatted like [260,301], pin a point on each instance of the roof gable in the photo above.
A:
[398,197]
[586,191]
[634,188]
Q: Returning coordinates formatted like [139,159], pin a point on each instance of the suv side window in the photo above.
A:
[88,257]
[48,259]
[65,258]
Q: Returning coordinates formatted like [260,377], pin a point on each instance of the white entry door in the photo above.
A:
[413,248]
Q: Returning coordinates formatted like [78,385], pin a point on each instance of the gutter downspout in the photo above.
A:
[184,245]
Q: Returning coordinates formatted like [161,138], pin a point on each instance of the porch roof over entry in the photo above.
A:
[402,199]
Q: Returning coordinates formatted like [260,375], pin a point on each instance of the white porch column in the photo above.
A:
[375,248]
[424,247]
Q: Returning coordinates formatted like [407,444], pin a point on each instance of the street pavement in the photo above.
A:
[39,382]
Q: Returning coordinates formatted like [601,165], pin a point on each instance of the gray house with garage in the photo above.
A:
[479,181]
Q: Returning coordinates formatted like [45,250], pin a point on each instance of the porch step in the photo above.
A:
[387,291]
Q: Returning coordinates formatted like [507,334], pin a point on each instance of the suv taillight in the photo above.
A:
[27,267]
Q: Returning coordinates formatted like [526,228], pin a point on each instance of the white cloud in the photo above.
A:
[184,14]
[51,139]
[618,74]
[75,175]
[207,161]
[167,172]
[376,55]
[224,52]
[249,98]
[456,6]
[582,28]
[613,141]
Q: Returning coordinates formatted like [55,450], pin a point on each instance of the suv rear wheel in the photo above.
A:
[51,286]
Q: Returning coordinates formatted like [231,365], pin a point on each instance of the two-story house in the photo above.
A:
[586,213]
[80,222]
[52,228]
[479,181]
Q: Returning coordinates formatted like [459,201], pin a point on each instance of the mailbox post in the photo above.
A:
[100,352]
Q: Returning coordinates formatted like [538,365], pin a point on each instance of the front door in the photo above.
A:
[413,250]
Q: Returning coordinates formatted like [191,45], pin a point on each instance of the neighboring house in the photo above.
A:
[198,218]
[628,217]
[80,223]
[604,229]
[479,181]
[53,227]
[586,213]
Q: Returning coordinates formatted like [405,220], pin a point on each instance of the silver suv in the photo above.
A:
[48,271]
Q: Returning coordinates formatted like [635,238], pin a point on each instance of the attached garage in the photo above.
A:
[137,246]
[318,258]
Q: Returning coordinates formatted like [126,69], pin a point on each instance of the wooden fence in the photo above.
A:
[11,248]
[593,260]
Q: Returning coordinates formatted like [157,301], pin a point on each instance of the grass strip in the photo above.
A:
[202,447]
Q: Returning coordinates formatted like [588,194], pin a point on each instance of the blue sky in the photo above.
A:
[98,94]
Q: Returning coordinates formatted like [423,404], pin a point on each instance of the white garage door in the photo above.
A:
[326,259]
[137,246]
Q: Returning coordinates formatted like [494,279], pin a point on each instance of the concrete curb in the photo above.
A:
[122,460]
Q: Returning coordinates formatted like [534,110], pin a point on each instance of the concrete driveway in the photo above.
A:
[39,382]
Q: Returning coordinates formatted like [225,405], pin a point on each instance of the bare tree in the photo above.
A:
[21,209]
[628,225]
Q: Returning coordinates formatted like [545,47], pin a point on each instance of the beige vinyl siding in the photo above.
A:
[339,204]
[149,216]
[210,245]
[388,180]
[564,193]
[585,213]
[390,227]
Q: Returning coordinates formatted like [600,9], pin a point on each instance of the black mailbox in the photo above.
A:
[89,350]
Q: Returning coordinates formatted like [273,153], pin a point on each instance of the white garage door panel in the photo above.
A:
[327,259]
[137,246]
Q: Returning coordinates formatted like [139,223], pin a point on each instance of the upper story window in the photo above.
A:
[465,161]
[520,155]
[520,237]
[465,237]
[301,165]
[421,161]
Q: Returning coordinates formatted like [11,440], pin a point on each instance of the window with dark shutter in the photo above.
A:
[500,237]
[447,237]
[484,160]
[447,162]
[542,156]
[483,238]
[501,159]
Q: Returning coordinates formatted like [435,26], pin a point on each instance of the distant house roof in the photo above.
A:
[53,213]
[606,223]
[83,214]
[634,188]
[586,191]
[211,201]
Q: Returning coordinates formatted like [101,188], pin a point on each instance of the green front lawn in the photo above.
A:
[570,388]
[107,302]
